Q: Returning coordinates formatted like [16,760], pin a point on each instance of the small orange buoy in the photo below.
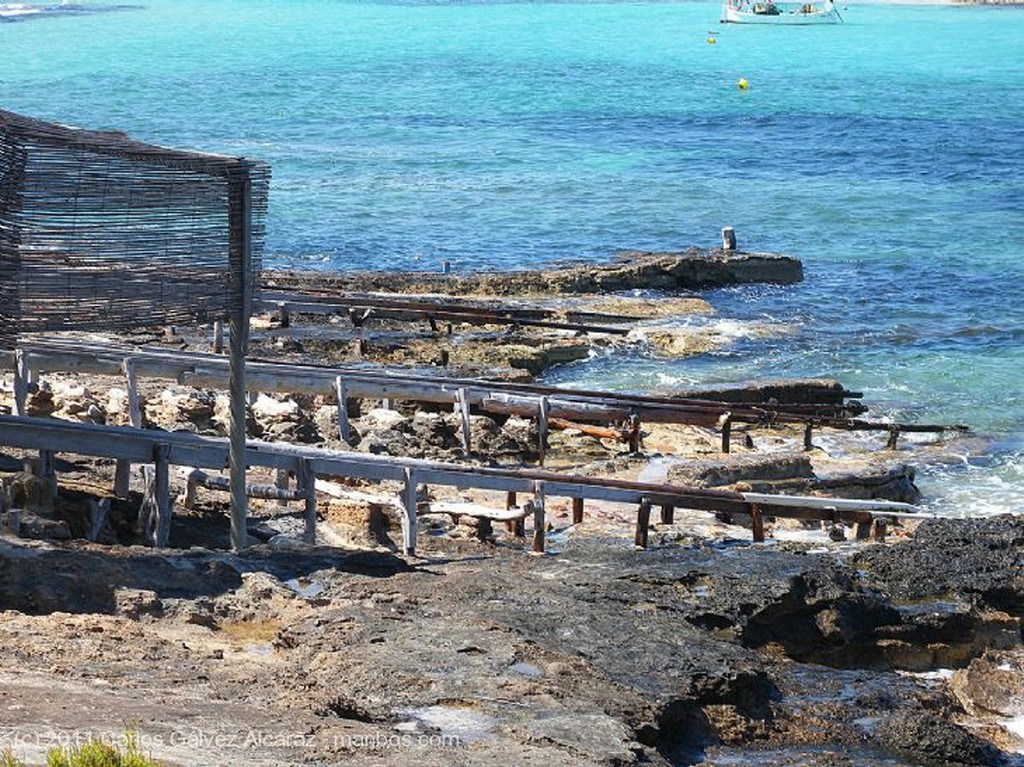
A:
[743,84]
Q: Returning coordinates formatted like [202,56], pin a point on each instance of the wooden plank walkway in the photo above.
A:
[166,449]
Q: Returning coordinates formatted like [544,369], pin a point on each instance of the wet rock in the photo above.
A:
[929,739]
[741,467]
[813,391]
[631,270]
[895,484]
[976,561]
[992,685]
[43,528]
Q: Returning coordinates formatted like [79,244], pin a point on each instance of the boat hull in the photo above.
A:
[734,15]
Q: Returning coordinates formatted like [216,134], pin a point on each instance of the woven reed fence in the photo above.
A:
[101,232]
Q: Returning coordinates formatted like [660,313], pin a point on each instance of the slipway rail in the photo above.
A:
[362,308]
[552,407]
[166,449]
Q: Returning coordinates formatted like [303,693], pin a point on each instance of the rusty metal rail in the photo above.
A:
[166,449]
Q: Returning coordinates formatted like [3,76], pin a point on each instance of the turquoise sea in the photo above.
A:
[886,153]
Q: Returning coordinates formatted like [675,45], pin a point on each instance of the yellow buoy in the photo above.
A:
[711,41]
[743,84]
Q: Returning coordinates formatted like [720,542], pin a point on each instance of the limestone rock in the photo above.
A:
[929,739]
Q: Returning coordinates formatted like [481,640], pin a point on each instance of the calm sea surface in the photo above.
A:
[886,153]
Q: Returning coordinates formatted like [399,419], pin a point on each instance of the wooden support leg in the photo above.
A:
[809,436]
[48,471]
[894,438]
[218,336]
[726,434]
[308,483]
[515,526]
[123,468]
[668,514]
[285,317]
[863,531]
[283,481]
[344,431]
[162,496]
[880,528]
[577,511]
[21,376]
[543,409]
[643,522]
[539,522]
[462,409]
[634,433]
[757,523]
[98,511]
[147,511]
[409,504]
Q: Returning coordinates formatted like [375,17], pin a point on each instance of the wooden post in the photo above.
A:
[462,408]
[515,526]
[344,432]
[48,471]
[123,469]
[757,523]
[240,259]
[282,312]
[409,504]
[728,238]
[282,481]
[308,483]
[880,526]
[634,433]
[668,513]
[543,408]
[14,522]
[21,376]
[643,521]
[218,336]
[809,436]
[358,321]
[538,518]
[726,433]
[162,498]
[577,511]
[894,438]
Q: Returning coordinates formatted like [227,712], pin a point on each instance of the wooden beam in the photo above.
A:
[462,409]
[341,390]
[577,511]
[539,522]
[307,484]
[643,522]
[409,504]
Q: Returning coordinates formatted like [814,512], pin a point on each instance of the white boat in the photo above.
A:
[770,12]
[11,10]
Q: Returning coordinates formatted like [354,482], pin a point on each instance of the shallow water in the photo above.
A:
[884,152]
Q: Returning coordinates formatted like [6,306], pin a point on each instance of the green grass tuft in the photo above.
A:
[8,759]
[100,753]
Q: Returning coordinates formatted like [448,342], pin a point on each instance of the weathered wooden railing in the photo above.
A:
[549,405]
[166,449]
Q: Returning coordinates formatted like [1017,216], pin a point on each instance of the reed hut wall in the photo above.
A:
[101,232]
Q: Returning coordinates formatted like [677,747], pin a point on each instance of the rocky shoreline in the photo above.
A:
[813,648]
